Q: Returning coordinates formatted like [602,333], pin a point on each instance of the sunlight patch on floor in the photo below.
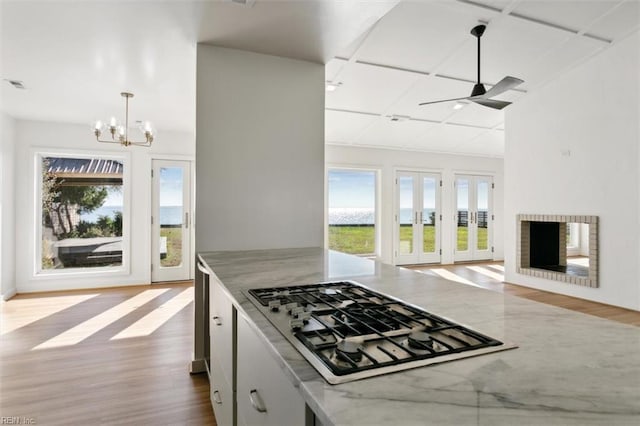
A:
[17,313]
[497,267]
[486,272]
[156,318]
[91,326]
[448,275]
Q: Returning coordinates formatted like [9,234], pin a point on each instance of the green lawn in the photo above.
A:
[463,245]
[174,246]
[353,239]
[361,239]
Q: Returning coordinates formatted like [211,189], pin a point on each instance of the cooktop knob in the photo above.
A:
[304,316]
[295,312]
[296,324]
[274,305]
[289,306]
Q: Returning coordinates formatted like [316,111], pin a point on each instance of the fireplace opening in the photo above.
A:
[566,246]
[545,242]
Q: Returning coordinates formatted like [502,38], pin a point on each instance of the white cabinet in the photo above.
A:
[221,395]
[221,328]
[264,395]
[221,353]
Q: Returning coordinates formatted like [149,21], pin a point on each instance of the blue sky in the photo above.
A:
[351,188]
[171,186]
[170,193]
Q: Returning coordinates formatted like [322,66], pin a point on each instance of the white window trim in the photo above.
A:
[37,154]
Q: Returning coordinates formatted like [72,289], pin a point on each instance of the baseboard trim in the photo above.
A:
[8,295]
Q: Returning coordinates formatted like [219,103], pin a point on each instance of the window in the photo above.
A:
[81,211]
[352,211]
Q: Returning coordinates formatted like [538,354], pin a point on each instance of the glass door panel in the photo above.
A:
[171,216]
[481,219]
[418,218]
[171,221]
[405,215]
[473,217]
[429,204]
[462,214]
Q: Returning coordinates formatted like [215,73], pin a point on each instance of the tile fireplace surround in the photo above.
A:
[523,265]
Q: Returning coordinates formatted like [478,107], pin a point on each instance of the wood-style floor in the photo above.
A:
[491,276]
[120,356]
[102,357]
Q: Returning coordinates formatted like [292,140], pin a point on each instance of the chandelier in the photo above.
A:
[119,132]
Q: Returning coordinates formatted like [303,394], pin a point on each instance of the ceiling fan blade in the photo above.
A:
[502,86]
[444,100]
[491,103]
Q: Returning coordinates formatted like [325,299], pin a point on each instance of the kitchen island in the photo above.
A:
[569,368]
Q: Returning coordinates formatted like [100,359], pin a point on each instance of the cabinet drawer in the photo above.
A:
[221,395]
[221,328]
[264,395]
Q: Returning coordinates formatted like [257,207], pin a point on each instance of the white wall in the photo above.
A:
[387,161]
[260,151]
[593,112]
[31,135]
[7,213]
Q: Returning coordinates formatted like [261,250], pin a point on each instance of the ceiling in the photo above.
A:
[74,58]
[422,51]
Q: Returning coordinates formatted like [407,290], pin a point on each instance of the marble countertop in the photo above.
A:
[569,369]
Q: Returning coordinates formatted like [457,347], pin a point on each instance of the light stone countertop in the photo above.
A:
[569,369]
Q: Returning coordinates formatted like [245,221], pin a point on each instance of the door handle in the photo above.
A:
[415,221]
[216,319]
[186,219]
[256,401]
[421,221]
[216,397]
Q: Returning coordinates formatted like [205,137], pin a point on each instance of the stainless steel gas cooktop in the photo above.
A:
[348,331]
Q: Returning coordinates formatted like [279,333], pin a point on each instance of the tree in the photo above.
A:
[81,199]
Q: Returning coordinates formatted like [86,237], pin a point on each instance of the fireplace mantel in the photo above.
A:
[526,243]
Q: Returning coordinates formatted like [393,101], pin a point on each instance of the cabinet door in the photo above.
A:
[221,395]
[221,328]
[264,395]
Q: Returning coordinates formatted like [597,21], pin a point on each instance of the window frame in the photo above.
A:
[377,205]
[38,155]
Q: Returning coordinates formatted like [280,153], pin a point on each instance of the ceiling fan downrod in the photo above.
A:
[478,88]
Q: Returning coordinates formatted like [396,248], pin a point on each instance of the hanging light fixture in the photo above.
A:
[119,132]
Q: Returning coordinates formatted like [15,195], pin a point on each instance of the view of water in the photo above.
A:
[366,216]
[169,215]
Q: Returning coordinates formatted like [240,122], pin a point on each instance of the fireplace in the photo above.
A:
[546,243]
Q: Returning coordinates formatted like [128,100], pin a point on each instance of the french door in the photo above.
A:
[417,217]
[473,217]
[171,221]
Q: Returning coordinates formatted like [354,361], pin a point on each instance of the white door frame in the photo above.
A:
[473,253]
[186,269]
[418,255]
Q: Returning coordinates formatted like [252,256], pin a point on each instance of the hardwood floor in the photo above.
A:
[120,356]
[490,275]
[102,357]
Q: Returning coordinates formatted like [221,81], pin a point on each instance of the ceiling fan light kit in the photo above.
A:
[479,94]
[120,133]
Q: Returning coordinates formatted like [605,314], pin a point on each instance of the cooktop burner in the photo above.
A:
[348,331]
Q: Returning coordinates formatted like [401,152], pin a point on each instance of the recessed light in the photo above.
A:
[460,105]
[331,86]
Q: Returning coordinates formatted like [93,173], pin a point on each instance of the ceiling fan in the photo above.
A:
[479,94]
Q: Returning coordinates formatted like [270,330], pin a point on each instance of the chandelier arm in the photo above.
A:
[123,131]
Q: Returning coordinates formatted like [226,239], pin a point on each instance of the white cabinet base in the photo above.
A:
[264,395]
